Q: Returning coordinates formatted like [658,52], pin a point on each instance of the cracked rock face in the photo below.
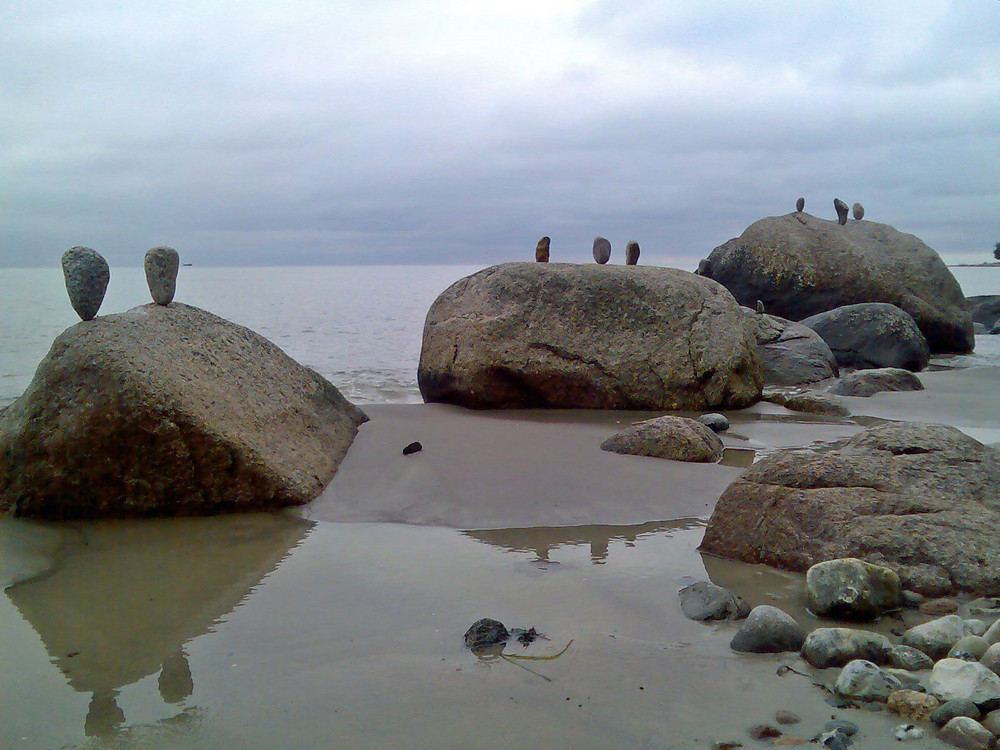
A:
[169,411]
[522,335]
[799,265]
[921,499]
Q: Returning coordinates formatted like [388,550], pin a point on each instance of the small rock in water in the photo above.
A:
[907,732]
[87,275]
[161,264]
[632,253]
[786,717]
[602,250]
[764,732]
[542,250]
[705,601]
[842,209]
[858,211]
[485,633]
[715,422]
[414,447]
[800,204]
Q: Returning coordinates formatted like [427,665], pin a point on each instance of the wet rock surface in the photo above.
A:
[676,438]
[705,601]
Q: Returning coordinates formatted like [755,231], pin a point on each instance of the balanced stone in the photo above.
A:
[542,250]
[161,264]
[632,253]
[858,211]
[841,208]
[87,277]
[800,204]
[602,250]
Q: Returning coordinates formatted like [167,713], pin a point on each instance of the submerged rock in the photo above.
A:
[486,633]
[169,411]
[714,421]
[87,275]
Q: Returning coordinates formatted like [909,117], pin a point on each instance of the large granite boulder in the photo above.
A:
[798,266]
[921,499]
[872,335]
[790,353]
[587,336]
[166,410]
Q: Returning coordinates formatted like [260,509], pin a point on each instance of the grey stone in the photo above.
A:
[676,438]
[768,630]
[975,626]
[872,335]
[935,637]
[786,718]
[909,658]
[169,410]
[984,309]
[602,250]
[542,250]
[705,601]
[979,328]
[834,740]
[858,211]
[992,633]
[921,499]
[971,647]
[811,402]
[863,680]
[950,709]
[967,734]
[843,726]
[790,353]
[632,253]
[907,679]
[955,679]
[865,383]
[715,422]
[852,589]
[528,335]
[841,208]
[799,266]
[800,204]
[992,722]
[991,658]
[835,647]
[485,633]
[912,599]
[87,275]
[161,264]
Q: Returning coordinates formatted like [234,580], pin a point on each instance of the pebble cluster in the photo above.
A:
[601,250]
[87,275]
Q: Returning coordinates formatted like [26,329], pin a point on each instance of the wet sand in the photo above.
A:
[340,624]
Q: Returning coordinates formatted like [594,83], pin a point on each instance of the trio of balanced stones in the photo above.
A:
[87,276]
[602,251]
[841,208]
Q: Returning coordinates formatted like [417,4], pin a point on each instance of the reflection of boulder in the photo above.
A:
[541,540]
[127,596]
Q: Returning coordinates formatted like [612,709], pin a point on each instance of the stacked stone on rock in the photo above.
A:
[161,264]
[858,211]
[602,250]
[632,253]
[542,250]
[87,275]
[841,209]
[800,204]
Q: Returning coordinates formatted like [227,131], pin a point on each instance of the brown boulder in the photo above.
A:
[921,499]
[169,410]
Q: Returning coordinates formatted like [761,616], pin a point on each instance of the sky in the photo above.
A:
[461,131]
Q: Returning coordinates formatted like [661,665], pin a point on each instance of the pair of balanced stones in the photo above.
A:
[87,276]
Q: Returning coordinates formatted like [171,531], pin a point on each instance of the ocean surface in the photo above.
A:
[360,326]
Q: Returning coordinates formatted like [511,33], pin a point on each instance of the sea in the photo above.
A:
[359,326]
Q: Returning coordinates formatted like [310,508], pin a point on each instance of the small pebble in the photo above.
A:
[786,717]
[413,447]
[764,732]
[938,607]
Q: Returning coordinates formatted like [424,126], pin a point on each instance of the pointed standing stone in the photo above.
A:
[800,204]
[602,250]
[542,250]
[87,275]
[841,210]
[859,211]
[161,265]
[632,253]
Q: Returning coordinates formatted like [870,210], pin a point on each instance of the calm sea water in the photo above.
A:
[360,326]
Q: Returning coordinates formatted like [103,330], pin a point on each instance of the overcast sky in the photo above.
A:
[460,131]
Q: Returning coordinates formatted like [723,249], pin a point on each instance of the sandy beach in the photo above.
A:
[340,624]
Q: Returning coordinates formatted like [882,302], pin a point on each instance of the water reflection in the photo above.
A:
[542,540]
[127,596]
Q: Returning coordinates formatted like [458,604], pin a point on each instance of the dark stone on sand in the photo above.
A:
[528,335]
[950,709]
[865,383]
[858,211]
[841,209]
[87,275]
[486,633]
[715,422]
[872,335]
[414,447]
[705,601]
[800,204]
[542,250]
[602,250]
[161,264]
[169,410]
[799,266]
[768,630]
[632,253]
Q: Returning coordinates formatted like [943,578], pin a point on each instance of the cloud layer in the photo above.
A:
[456,131]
